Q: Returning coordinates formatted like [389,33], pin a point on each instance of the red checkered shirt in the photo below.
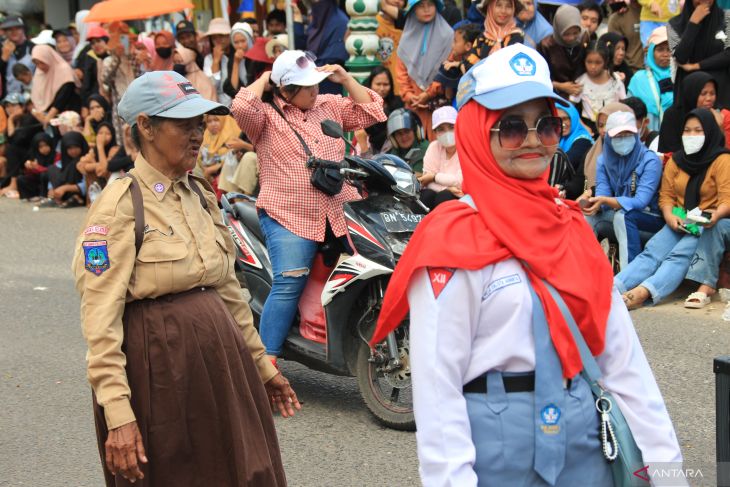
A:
[286,194]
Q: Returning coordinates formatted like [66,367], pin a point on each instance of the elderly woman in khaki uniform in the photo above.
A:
[176,366]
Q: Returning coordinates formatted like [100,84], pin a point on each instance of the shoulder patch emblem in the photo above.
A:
[99,229]
[439,277]
[96,256]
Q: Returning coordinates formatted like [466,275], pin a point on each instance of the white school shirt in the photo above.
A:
[481,321]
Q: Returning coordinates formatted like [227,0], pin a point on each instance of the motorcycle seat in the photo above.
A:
[247,214]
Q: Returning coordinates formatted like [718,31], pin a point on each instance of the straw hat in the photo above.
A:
[218,26]
[278,40]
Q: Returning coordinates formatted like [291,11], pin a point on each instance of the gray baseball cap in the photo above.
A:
[165,94]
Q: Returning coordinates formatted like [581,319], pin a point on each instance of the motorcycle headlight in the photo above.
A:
[405,180]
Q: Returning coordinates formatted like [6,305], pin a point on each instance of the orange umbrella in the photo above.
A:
[112,10]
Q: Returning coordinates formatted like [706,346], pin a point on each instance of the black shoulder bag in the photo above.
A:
[326,176]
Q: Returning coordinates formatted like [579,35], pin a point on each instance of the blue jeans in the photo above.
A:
[646,28]
[291,260]
[705,265]
[662,265]
[626,228]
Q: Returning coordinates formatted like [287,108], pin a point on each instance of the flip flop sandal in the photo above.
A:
[697,300]
[48,204]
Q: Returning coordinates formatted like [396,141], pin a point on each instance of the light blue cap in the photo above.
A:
[512,75]
[166,94]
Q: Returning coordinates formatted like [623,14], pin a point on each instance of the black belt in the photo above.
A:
[512,383]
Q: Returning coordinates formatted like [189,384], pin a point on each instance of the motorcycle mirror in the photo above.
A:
[332,129]
[412,154]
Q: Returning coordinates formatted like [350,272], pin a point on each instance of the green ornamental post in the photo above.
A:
[363,42]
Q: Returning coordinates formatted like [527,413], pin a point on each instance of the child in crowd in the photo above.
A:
[450,73]
[94,166]
[600,85]
[214,152]
[42,156]
[405,133]
[591,17]
[25,76]
[441,179]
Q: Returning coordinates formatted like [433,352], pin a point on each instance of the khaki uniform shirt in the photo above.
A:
[184,247]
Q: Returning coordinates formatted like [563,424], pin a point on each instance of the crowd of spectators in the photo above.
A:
[637,75]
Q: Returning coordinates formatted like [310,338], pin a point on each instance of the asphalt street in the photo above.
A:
[46,427]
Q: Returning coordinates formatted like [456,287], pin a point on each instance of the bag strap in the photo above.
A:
[281,113]
[196,188]
[138,206]
[590,367]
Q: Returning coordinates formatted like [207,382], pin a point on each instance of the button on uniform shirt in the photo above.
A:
[481,321]
[287,195]
[184,247]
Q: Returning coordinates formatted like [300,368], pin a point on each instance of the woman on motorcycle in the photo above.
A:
[294,215]
[498,394]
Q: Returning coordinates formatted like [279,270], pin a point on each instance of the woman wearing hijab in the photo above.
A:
[424,46]
[575,143]
[497,390]
[326,38]
[236,69]
[64,178]
[627,181]
[653,85]
[697,176]
[565,51]
[699,90]
[195,75]
[65,44]
[500,30]
[591,159]
[219,131]
[532,23]
[99,111]
[54,85]
[41,157]
[699,38]
[94,166]
[164,49]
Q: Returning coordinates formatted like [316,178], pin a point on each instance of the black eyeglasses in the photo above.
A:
[513,133]
[303,61]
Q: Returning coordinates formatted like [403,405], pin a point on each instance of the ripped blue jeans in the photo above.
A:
[291,260]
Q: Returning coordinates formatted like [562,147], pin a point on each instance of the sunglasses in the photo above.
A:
[303,61]
[513,133]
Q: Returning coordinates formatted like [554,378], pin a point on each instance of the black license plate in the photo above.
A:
[396,221]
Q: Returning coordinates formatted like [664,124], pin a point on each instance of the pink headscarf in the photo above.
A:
[193,73]
[47,84]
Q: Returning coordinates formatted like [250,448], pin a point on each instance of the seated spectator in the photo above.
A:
[54,85]
[99,111]
[600,85]
[697,176]
[372,139]
[575,142]
[591,160]
[405,133]
[65,44]
[260,60]
[450,72]
[98,38]
[649,138]
[500,30]
[199,80]
[236,71]
[94,166]
[41,157]
[22,127]
[532,23]
[623,21]
[627,181]
[424,46]
[123,161]
[616,46]
[24,76]
[654,83]
[565,51]
[63,180]
[699,90]
[214,151]
[441,179]
[591,17]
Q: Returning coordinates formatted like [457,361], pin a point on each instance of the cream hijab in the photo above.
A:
[193,73]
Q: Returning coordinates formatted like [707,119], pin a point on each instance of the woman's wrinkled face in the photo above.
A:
[619,54]
[41,65]
[74,151]
[504,11]
[240,43]
[707,97]
[532,159]
[570,36]
[213,124]
[425,11]
[601,124]
[63,45]
[43,148]
[381,85]
[528,11]
[662,55]
[173,144]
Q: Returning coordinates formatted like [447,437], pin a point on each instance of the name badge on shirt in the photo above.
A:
[502,283]
[96,256]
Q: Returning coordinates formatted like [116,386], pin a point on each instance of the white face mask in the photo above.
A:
[447,139]
[693,143]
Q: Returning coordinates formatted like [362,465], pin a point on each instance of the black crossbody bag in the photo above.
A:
[326,176]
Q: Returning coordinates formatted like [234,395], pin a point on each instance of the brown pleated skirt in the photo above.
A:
[200,404]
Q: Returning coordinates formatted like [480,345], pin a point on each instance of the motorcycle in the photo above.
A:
[340,304]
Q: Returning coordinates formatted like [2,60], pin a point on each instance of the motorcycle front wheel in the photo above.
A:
[385,386]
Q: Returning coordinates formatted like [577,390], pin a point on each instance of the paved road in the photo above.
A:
[46,429]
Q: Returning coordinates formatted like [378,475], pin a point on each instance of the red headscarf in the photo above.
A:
[517,218]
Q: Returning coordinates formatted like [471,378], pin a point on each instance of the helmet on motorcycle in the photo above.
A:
[402,118]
